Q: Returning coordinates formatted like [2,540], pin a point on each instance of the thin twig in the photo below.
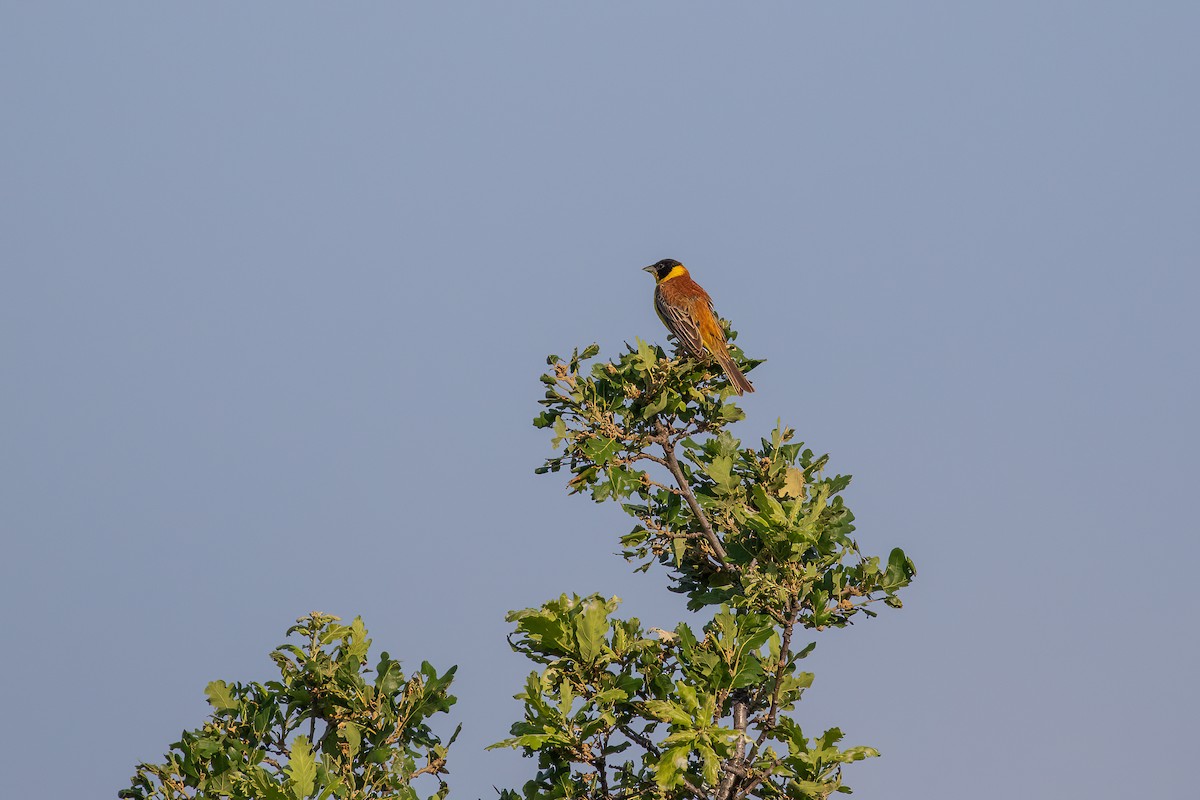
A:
[785,652]
[647,481]
[767,723]
[639,739]
[428,769]
[666,533]
[646,457]
[664,439]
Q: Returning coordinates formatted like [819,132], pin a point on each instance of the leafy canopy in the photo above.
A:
[758,535]
[326,728]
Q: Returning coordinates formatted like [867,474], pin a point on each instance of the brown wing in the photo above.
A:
[676,314]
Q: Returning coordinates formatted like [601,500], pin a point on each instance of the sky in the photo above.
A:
[278,281]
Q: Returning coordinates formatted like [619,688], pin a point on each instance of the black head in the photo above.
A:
[662,268]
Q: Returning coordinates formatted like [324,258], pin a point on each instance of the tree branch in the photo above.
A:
[734,765]
[664,439]
[601,765]
[600,762]
[754,780]
[646,457]
[640,740]
[785,653]
[432,768]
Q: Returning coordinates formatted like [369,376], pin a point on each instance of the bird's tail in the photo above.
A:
[739,381]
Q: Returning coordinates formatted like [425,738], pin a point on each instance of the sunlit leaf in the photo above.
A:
[301,768]
[219,696]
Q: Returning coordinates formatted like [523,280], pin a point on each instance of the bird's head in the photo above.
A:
[667,268]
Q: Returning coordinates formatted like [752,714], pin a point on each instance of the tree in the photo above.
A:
[759,537]
[322,730]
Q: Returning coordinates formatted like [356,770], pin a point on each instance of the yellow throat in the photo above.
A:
[674,273]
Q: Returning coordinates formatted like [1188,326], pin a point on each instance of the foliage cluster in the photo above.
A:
[326,728]
[758,535]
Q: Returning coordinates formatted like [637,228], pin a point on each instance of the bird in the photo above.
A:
[687,311]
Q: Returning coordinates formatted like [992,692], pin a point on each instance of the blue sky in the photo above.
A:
[278,280]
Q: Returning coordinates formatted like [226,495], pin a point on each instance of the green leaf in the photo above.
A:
[859,753]
[719,471]
[601,449]
[768,506]
[560,432]
[647,355]
[534,741]
[900,570]
[265,787]
[546,631]
[219,696]
[566,697]
[352,736]
[668,711]
[749,674]
[301,768]
[671,767]
[206,747]
[712,765]
[689,697]
[610,696]
[679,549]
[388,676]
[590,629]
[830,738]
[657,406]
[793,483]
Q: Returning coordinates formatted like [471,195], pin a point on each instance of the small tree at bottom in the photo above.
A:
[327,727]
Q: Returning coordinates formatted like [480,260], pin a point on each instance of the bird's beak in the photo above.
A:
[651,269]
